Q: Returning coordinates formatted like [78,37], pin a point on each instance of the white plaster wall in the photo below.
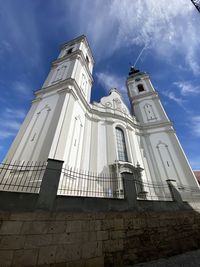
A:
[18,139]
[102,163]
[78,72]
[93,145]
[74,140]
[167,158]
[35,133]
[86,53]
[85,153]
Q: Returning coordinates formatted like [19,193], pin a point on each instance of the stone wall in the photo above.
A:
[95,239]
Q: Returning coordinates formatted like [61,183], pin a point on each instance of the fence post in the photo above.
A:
[49,185]
[130,189]
[176,196]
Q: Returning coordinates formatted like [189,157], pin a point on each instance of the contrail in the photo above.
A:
[139,55]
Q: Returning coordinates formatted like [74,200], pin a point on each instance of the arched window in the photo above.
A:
[121,145]
[140,88]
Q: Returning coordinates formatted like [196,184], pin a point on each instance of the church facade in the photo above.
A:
[101,137]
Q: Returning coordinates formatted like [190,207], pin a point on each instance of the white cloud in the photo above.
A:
[166,28]
[23,89]
[6,134]
[173,97]
[187,88]
[5,47]
[14,113]
[108,81]
[12,125]
[195,125]
[10,121]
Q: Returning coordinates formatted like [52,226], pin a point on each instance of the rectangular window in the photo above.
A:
[121,145]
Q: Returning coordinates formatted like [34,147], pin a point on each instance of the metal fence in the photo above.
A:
[88,184]
[152,191]
[74,182]
[27,177]
[21,176]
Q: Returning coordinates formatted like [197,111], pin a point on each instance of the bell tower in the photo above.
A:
[164,154]
[75,61]
[144,99]
[45,130]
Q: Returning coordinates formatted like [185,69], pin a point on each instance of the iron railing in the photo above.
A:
[27,177]
[89,184]
[152,191]
[21,176]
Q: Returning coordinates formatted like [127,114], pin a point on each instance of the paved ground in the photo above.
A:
[189,259]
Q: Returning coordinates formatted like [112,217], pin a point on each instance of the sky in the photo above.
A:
[32,32]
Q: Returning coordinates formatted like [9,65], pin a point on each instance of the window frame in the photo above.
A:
[122,152]
[140,88]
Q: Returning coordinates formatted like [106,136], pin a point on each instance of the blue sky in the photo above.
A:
[31,33]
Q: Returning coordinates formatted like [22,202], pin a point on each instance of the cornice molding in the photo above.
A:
[138,98]
[81,38]
[70,86]
[77,54]
[38,99]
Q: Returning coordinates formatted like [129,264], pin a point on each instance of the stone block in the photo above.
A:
[4,216]
[35,241]
[128,223]
[10,228]
[117,234]
[91,250]
[47,255]
[88,236]
[102,235]
[23,216]
[107,225]
[61,264]
[100,216]
[6,257]
[44,216]
[153,223]
[12,242]
[137,223]
[27,257]
[57,227]
[87,226]
[37,227]
[118,224]
[97,225]
[97,262]
[68,252]
[80,263]
[66,238]
[73,226]
[113,245]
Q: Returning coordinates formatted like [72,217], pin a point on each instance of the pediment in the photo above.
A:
[113,101]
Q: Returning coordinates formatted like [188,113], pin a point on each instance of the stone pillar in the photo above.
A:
[176,196]
[130,193]
[49,185]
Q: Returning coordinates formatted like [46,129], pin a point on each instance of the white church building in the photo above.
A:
[101,137]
